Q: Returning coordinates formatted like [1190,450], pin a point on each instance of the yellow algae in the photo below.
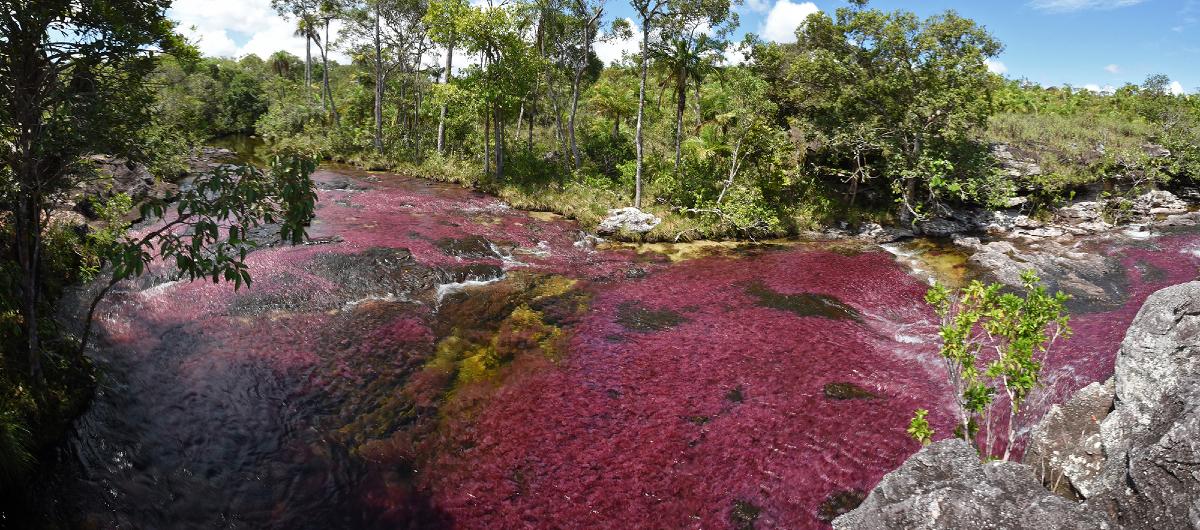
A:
[548,217]
[553,286]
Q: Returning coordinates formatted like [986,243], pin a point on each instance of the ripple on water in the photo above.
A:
[404,373]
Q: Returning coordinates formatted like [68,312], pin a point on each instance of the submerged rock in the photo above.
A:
[945,485]
[628,220]
[847,391]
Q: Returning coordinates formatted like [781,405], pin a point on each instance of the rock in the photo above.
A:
[1038,233]
[942,227]
[876,233]
[1012,165]
[1152,467]
[1083,211]
[1155,150]
[1186,219]
[1159,202]
[1065,448]
[629,220]
[945,485]
[1014,202]
[1150,477]
[1082,274]
[1161,351]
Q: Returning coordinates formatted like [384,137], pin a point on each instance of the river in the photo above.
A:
[435,359]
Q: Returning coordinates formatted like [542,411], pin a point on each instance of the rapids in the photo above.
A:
[438,360]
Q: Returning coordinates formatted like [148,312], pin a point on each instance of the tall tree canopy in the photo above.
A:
[901,97]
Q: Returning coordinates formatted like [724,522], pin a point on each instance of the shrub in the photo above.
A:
[994,342]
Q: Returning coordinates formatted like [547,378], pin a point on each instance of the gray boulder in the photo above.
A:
[1066,449]
[628,220]
[1152,437]
[1130,446]
[1161,351]
[1012,165]
[1085,275]
[945,485]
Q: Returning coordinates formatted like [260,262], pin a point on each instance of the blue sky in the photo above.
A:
[1094,43]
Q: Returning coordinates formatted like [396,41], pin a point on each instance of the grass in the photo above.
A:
[1068,148]
[590,204]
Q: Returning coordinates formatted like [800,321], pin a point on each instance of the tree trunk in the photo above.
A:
[332,109]
[680,106]
[579,68]
[307,62]
[637,137]
[378,87]
[441,132]
[28,250]
[571,120]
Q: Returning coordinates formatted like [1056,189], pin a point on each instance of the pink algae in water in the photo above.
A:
[690,395]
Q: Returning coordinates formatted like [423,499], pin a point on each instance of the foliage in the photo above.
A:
[919,427]
[995,342]
[889,95]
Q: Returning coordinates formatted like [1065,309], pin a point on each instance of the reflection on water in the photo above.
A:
[249,149]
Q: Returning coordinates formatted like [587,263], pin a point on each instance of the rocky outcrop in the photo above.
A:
[877,233]
[1082,274]
[1015,167]
[1128,447]
[628,220]
[945,485]
[1152,466]
[1066,449]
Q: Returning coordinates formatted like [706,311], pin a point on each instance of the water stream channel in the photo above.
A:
[435,359]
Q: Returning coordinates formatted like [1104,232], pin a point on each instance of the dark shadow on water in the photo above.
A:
[803,304]
[634,316]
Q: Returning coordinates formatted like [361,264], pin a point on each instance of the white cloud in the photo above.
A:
[1106,89]
[735,55]
[217,26]
[1067,6]
[781,23]
[1112,69]
[758,6]
[1177,88]
[612,50]
[996,67]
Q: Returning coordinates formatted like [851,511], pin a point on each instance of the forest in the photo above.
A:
[870,116]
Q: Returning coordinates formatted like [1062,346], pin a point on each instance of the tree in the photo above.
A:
[383,33]
[77,76]
[689,55]
[74,75]
[649,12]
[995,341]
[587,16]
[919,86]
[207,233]
[328,11]
[305,12]
[444,19]
[507,65]
[675,17]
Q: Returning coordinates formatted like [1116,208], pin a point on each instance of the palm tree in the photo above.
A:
[613,99]
[306,28]
[686,57]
